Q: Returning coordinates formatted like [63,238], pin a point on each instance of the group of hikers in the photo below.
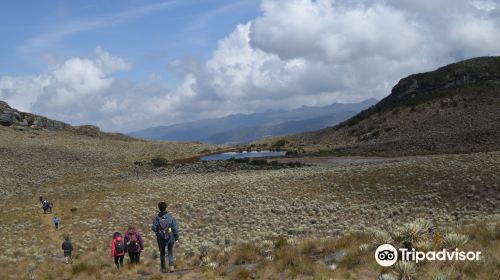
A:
[164,226]
[167,234]
[47,207]
[132,243]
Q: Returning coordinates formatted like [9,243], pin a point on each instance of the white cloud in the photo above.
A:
[333,34]
[67,88]
[298,52]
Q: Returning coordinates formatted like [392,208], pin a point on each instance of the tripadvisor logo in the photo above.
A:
[387,255]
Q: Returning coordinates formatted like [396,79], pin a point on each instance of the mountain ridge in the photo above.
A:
[453,109]
[223,130]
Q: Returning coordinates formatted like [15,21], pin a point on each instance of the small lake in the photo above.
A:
[245,154]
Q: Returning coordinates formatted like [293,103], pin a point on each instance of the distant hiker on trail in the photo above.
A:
[67,247]
[135,244]
[56,222]
[118,249]
[167,232]
[47,206]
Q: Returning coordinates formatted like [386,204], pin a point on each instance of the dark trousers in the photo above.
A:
[134,257]
[57,225]
[119,261]
[169,246]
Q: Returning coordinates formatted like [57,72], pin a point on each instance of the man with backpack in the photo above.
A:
[118,249]
[167,233]
[45,206]
[135,244]
[67,248]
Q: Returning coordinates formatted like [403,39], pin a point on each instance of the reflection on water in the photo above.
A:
[225,156]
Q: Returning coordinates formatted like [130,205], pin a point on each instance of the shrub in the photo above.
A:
[281,242]
[244,254]
[159,161]
[455,240]
[291,260]
[241,160]
[423,245]
[258,162]
[405,270]
[204,249]
[266,248]
[387,276]
[294,164]
[441,276]
[242,274]
[280,143]
[381,237]
[412,232]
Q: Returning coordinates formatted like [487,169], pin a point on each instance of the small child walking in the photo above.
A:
[118,249]
[67,247]
[56,222]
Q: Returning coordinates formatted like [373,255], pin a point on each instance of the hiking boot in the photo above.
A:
[172,268]
[163,270]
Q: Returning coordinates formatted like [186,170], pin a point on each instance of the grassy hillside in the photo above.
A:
[97,189]
[451,110]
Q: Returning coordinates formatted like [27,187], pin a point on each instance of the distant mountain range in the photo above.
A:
[241,128]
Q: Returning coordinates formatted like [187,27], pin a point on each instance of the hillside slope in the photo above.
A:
[451,110]
[227,217]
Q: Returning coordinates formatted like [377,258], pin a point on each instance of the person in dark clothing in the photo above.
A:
[167,233]
[135,244]
[118,249]
[45,206]
[67,247]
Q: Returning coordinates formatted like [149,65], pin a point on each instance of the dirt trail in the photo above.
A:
[54,236]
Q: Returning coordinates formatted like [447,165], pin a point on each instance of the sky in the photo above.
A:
[125,65]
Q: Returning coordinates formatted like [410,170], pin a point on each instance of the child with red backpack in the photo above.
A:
[134,244]
[118,249]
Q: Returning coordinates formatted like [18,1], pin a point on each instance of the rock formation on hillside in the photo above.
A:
[23,121]
[454,109]
[10,116]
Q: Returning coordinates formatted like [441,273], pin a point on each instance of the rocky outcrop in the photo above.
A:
[454,109]
[22,121]
[10,117]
